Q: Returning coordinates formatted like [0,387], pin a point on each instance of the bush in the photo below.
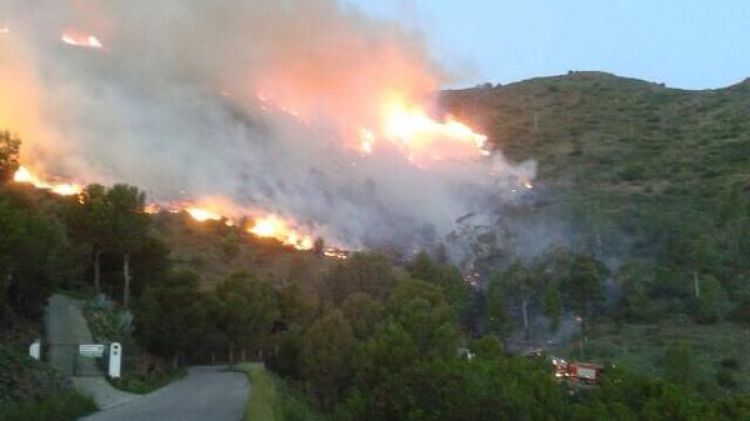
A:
[63,405]
[31,390]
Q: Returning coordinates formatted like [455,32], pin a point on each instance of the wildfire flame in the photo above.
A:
[272,226]
[406,125]
[78,40]
[23,175]
[202,215]
[426,139]
[269,226]
[336,253]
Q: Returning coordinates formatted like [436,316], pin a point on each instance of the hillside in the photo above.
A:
[619,155]
[594,131]
[214,250]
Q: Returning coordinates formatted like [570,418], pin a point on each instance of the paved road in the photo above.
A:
[206,393]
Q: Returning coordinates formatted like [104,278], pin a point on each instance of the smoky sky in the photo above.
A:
[171,104]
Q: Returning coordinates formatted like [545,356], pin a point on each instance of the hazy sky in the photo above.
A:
[692,44]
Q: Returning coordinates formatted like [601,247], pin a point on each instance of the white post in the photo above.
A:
[35,350]
[115,360]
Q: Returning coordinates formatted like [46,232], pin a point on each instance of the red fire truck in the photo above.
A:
[576,371]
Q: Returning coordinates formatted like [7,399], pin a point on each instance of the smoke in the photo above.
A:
[256,102]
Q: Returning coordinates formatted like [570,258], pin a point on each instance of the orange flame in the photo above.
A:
[406,125]
[202,215]
[268,226]
[79,40]
[336,253]
[425,139]
[23,175]
[271,226]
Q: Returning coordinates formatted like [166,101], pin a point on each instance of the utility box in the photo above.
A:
[114,362]
[35,350]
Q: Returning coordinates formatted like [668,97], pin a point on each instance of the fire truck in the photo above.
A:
[576,371]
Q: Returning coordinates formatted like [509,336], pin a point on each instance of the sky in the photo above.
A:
[688,44]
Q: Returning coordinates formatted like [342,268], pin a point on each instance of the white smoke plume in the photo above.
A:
[257,102]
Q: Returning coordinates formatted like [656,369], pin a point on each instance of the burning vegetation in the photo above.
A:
[323,119]
[261,225]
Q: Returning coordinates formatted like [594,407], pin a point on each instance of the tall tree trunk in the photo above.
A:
[126,275]
[525,310]
[97,271]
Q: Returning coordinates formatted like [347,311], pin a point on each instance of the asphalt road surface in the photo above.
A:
[206,393]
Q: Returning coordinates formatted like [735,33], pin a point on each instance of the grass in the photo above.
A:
[271,399]
[59,406]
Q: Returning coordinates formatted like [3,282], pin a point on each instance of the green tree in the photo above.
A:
[521,285]
[153,265]
[329,344]
[287,361]
[386,355]
[552,304]
[34,252]
[370,273]
[633,303]
[422,311]
[679,365]
[447,277]
[583,286]
[712,304]
[297,307]
[128,227]
[380,386]
[248,308]
[363,313]
[172,317]
[487,347]
[88,222]
[482,389]
[496,318]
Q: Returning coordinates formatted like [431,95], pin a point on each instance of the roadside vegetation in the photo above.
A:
[270,399]
[142,373]
[30,390]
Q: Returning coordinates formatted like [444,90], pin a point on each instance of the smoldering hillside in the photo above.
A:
[254,102]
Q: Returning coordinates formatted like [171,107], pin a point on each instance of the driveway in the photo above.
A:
[66,328]
[206,393]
